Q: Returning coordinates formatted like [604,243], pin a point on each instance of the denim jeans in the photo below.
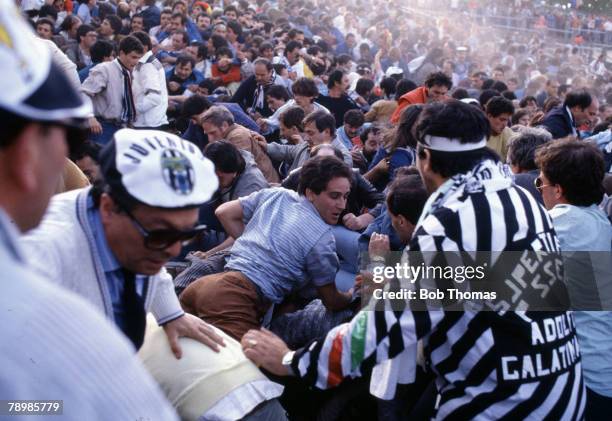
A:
[108,131]
[347,250]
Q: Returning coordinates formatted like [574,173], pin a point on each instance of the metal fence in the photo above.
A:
[590,37]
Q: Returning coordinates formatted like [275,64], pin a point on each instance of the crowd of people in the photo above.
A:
[194,196]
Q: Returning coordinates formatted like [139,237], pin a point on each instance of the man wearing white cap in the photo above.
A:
[54,346]
[473,206]
[109,243]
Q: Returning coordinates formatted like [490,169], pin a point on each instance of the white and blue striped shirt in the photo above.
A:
[284,245]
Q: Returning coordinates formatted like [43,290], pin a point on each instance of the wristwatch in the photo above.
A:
[287,360]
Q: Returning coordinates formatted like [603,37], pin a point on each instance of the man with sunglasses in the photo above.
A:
[110,243]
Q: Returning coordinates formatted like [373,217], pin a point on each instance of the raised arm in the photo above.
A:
[231,216]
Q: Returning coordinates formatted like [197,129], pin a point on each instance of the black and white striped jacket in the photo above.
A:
[488,365]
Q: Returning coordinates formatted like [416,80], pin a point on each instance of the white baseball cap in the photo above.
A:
[157,169]
[32,85]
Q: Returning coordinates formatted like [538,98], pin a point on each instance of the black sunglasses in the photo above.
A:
[539,184]
[161,239]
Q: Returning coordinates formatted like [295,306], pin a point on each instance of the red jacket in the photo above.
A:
[416,96]
[232,75]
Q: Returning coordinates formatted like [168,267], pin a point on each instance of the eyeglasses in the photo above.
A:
[539,184]
[161,239]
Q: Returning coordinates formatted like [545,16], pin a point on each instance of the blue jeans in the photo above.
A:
[108,131]
[347,249]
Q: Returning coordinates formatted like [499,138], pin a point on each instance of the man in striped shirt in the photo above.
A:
[488,365]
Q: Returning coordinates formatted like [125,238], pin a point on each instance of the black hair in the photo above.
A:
[100,50]
[388,86]
[278,68]
[47,10]
[499,86]
[293,117]
[292,45]
[278,92]
[454,119]
[509,95]
[335,77]
[115,23]
[486,95]
[403,133]
[84,30]
[195,105]
[354,118]
[224,51]
[207,84]
[305,87]
[518,114]
[407,197]
[235,27]
[46,21]
[323,120]
[580,98]
[183,34]
[404,86]
[522,148]
[265,46]
[525,101]
[226,157]
[86,149]
[137,15]
[183,59]
[488,84]
[460,93]
[130,44]
[69,22]
[179,15]
[363,136]
[144,38]
[343,59]
[317,172]
[438,79]
[364,86]
[577,166]
[499,105]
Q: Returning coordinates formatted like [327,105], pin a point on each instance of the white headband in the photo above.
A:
[446,144]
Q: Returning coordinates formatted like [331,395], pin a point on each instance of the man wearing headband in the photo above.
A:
[54,346]
[110,243]
[483,360]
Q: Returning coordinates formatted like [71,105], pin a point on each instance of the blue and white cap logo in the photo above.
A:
[162,170]
[177,171]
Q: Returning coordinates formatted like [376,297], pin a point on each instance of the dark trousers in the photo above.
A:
[598,407]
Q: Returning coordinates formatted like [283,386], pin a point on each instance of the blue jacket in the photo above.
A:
[558,122]
[151,17]
[194,79]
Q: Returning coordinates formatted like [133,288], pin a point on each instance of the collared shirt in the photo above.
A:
[111,266]
[284,245]
[585,235]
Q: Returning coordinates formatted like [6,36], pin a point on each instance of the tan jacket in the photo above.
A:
[381,111]
[240,137]
[500,142]
[72,178]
